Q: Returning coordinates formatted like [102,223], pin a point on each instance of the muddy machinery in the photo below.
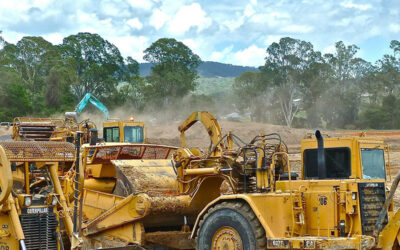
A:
[339,199]
[49,129]
[34,213]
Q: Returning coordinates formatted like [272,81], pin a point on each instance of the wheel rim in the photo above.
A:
[226,238]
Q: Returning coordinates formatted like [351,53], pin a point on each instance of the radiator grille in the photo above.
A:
[40,231]
[372,198]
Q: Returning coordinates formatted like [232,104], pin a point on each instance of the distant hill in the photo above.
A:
[208,69]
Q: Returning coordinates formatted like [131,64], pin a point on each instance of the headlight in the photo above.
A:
[54,201]
[354,195]
[28,201]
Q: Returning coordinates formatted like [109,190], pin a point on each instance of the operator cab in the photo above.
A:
[345,158]
[124,131]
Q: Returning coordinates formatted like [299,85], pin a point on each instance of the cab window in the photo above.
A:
[373,163]
[133,134]
[337,161]
[111,134]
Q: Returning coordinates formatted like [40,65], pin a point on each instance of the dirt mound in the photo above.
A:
[197,136]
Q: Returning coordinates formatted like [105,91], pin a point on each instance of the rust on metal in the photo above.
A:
[106,153]
[38,129]
[39,151]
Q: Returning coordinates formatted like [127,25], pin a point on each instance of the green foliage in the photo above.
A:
[14,98]
[285,65]
[381,116]
[249,89]
[59,94]
[54,78]
[97,63]
[217,87]
[174,74]
[131,92]
[31,58]
[297,86]
[336,90]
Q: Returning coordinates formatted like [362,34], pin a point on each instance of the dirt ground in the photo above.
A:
[198,137]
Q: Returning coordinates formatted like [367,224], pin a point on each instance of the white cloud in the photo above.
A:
[54,38]
[189,16]
[234,23]
[158,19]
[272,39]
[350,4]
[131,45]
[42,3]
[329,50]
[221,55]
[12,37]
[113,9]
[141,4]
[238,23]
[271,18]
[299,29]
[190,43]
[394,27]
[135,23]
[251,56]
[249,11]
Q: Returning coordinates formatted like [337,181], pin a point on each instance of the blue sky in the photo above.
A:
[229,31]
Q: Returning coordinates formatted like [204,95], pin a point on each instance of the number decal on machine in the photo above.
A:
[4,246]
[278,244]
[309,244]
[323,200]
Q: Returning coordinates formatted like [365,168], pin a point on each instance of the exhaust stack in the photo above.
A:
[321,156]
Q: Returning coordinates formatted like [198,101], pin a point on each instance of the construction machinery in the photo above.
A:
[88,98]
[114,130]
[124,131]
[37,129]
[50,129]
[34,213]
[339,199]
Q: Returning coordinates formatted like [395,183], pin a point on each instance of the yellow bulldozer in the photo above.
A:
[338,200]
[34,213]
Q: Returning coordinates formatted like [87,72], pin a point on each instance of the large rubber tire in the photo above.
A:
[236,215]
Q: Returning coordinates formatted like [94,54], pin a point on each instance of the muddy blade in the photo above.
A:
[144,176]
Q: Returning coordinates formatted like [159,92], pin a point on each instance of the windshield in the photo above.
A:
[373,163]
[111,134]
[133,134]
[337,161]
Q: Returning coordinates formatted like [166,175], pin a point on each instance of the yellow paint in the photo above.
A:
[122,124]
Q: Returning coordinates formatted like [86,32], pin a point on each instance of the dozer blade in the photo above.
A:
[145,176]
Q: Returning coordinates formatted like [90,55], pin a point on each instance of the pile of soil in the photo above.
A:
[197,136]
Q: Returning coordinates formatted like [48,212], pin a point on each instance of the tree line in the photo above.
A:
[38,78]
[299,86]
